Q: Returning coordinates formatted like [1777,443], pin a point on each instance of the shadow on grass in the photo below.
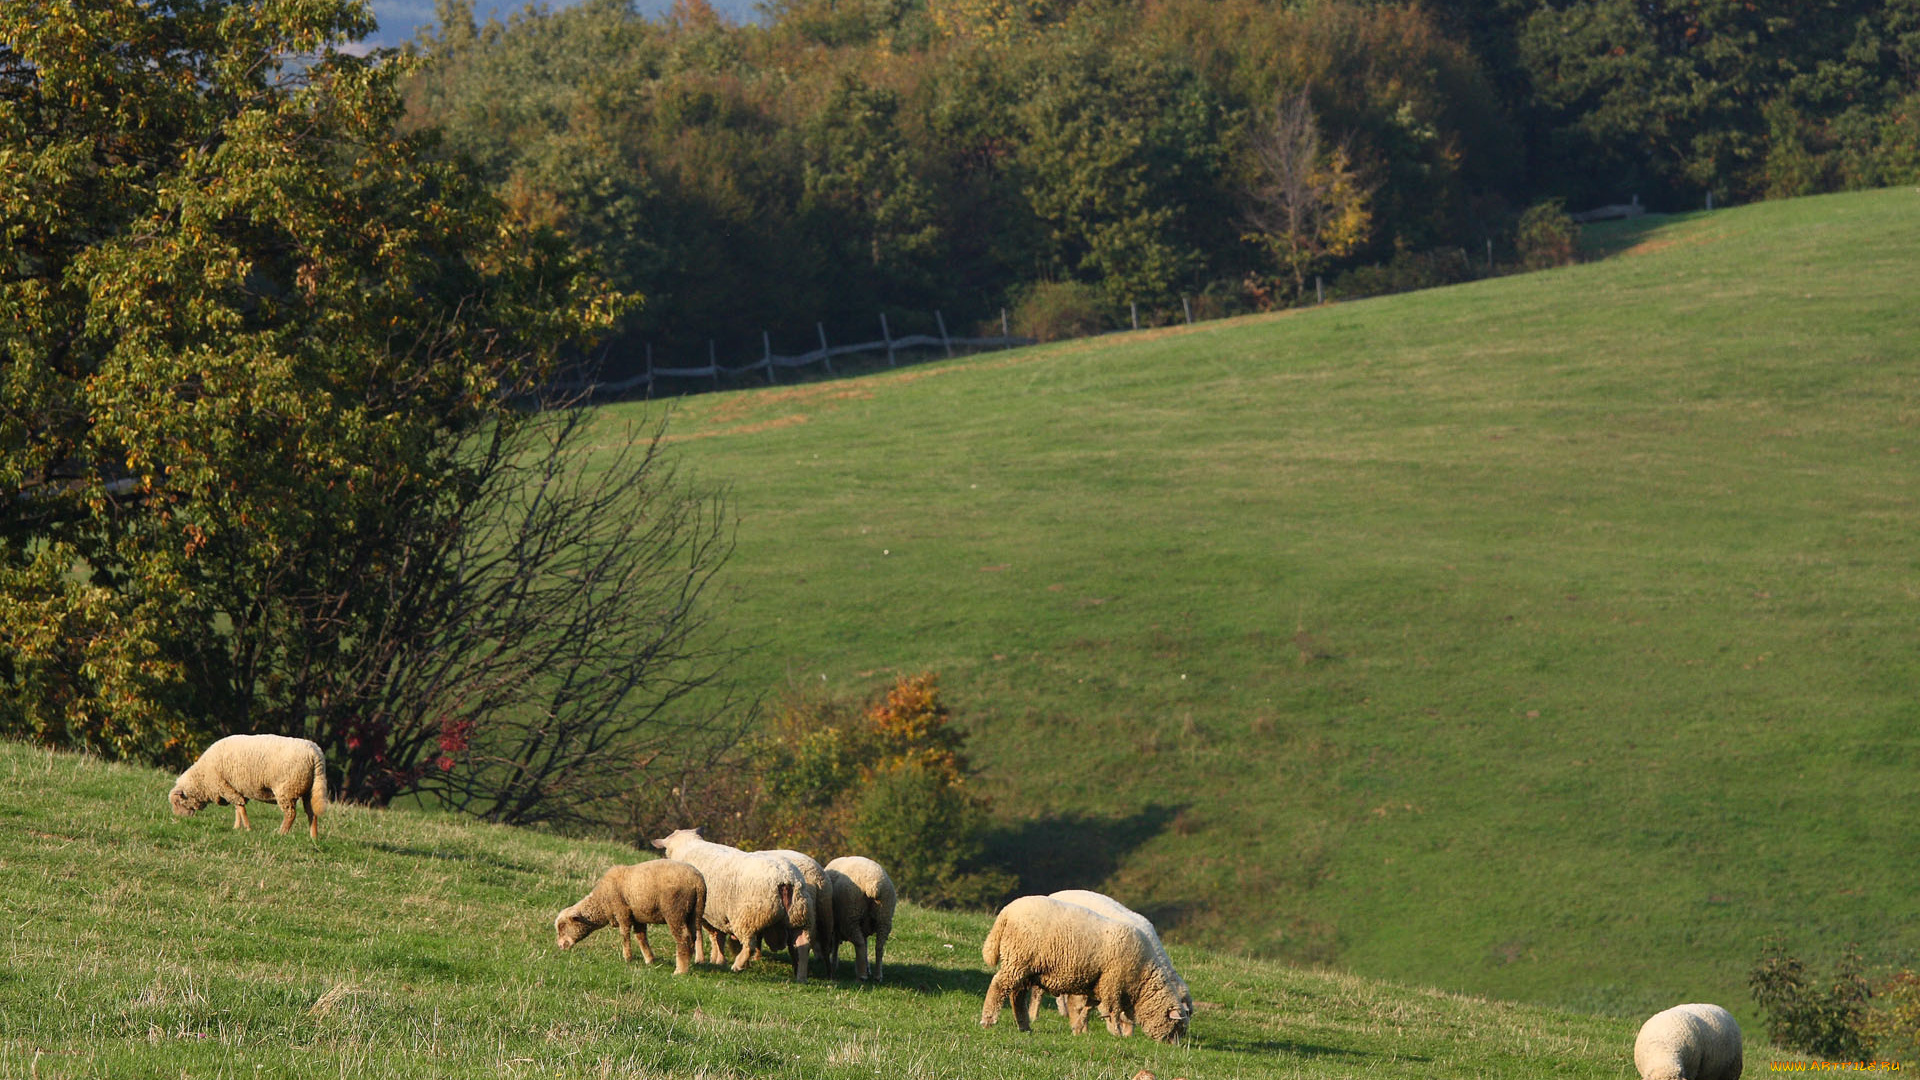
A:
[1229,1045]
[474,858]
[1073,851]
[930,979]
[1605,239]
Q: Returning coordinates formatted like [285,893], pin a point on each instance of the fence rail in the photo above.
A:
[770,361]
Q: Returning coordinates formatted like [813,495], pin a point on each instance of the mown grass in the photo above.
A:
[405,944]
[1551,637]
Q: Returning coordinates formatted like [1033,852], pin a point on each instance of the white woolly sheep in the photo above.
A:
[1040,942]
[1075,1006]
[265,767]
[752,897]
[1689,1042]
[825,944]
[662,892]
[863,903]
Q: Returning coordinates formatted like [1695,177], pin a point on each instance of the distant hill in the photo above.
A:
[1551,637]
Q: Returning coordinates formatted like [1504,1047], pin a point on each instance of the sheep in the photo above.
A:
[825,944]
[1075,1006]
[1689,1042]
[241,767]
[662,891]
[753,897]
[863,903]
[1062,948]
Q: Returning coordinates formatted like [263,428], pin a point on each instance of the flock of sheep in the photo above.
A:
[1087,950]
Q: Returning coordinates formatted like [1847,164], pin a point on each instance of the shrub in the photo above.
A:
[890,782]
[1057,310]
[1406,272]
[1894,1027]
[1830,1023]
[1546,236]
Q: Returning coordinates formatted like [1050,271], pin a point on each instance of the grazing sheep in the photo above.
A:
[752,897]
[241,767]
[1062,948]
[1689,1042]
[825,944]
[662,892]
[863,902]
[1074,1006]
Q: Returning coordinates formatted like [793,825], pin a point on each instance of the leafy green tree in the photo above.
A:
[250,332]
[1121,153]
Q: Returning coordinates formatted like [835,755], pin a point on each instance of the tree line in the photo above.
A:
[849,157]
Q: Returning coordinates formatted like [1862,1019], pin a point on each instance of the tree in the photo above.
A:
[1306,204]
[263,360]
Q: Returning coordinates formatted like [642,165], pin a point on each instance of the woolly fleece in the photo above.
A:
[1689,1042]
[1062,948]
[272,768]
[751,897]
[660,892]
[863,903]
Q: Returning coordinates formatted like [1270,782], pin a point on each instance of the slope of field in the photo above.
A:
[409,945]
[1553,637]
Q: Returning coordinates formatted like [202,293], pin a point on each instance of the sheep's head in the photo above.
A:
[184,802]
[570,926]
[1164,1014]
[676,838]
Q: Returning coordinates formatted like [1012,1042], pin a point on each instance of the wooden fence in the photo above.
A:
[770,362]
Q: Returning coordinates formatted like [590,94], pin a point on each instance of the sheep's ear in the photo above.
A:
[660,843]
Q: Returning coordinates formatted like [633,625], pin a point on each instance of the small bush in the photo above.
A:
[1406,272]
[1829,1023]
[1057,310]
[889,782]
[1546,237]
[1894,1025]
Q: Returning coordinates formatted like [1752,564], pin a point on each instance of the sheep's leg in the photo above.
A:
[240,817]
[859,956]
[799,962]
[998,991]
[684,943]
[646,947]
[289,810]
[746,954]
[1023,997]
[313,820]
[626,937]
[879,949]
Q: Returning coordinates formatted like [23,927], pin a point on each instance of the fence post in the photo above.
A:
[1135,309]
[766,353]
[940,321]
[1709,200]
[1319,291]
[713,364]
[824,355]
[1489,254]
[1188,308]
[888,334]
[649,369]
[1004,332]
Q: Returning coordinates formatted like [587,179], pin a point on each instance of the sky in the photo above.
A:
[400,20]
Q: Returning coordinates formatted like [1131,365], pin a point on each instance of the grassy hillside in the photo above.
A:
[408,945]
[1552,637]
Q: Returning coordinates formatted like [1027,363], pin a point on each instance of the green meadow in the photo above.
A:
[1553,638]
[405,944]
